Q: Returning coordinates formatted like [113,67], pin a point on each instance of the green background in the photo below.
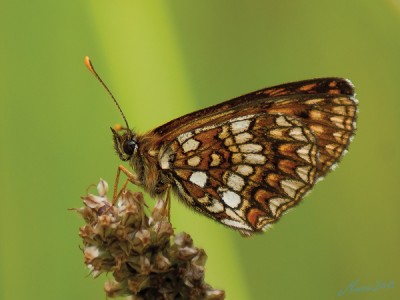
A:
[163,59]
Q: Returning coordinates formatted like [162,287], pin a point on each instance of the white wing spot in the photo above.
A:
[303,172]
[236,224]
[304,152]
[291,186]
[250,148]
[230,198]
[315,101]
[242,118]
[190,145]
[215,207]
[254,159]
[245,170]
[233,214]
[243,138]
[282,121]
[338,120]
[205,128]
[339,136]
[334,166]
[235,182]
[198,178]
[275,203]
[297,134]
[165,159]
[184,136]
[240,126]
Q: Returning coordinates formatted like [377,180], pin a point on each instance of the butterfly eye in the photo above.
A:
[129,147]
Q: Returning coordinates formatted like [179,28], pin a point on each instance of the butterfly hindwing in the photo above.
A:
[246,171]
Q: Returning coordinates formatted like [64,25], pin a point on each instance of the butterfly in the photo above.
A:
[246,161]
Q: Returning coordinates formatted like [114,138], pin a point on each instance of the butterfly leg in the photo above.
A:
[167,206]
[123,188]
[131,178]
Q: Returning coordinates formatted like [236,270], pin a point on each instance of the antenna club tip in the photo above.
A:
[88,64]
[117,127]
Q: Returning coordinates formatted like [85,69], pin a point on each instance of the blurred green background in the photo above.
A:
[164,59]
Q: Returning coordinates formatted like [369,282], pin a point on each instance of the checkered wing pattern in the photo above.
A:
[245,161]
[330,118]
[326,106]
[246,171]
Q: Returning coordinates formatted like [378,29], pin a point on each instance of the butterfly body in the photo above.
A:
[245,161]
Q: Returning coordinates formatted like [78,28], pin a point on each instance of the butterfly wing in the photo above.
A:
[319,86]
[331,119]
[243,172]
[326,106]
[245,161]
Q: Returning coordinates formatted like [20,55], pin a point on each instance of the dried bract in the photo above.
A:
[146,258]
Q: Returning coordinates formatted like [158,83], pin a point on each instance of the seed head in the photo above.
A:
[145,257]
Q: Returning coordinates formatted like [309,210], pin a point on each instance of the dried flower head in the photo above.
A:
[146,258]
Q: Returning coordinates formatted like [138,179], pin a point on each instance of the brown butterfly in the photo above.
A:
[245,161]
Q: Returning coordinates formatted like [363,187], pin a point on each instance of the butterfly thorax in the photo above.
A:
[142,153]
[146,165]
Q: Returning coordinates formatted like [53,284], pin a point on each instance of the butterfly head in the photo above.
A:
[125,143]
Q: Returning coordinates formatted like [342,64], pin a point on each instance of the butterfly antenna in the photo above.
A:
[89,65]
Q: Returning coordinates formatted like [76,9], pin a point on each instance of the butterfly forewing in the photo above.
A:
[330,118]
[326,106]
[245,161]
[322,86]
